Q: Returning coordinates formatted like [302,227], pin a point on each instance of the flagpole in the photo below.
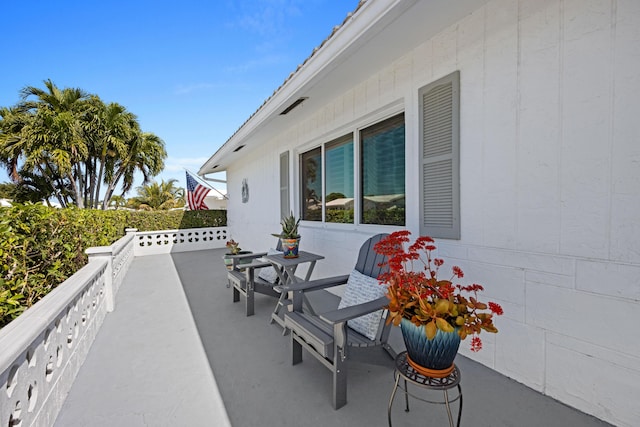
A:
[200,180]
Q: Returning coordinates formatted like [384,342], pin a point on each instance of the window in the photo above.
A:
[383,196]
[311,197]
[440,162]
[339,180]
[328,177]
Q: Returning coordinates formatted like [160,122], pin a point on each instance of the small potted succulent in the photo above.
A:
[234,249]
[289,236]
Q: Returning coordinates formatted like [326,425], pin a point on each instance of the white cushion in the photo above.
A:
[269,274]
[360,289]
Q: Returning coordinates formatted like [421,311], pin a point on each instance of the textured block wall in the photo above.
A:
[550,186]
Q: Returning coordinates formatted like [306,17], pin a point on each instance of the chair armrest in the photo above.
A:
[313,285]
[253,264]
[240,257]
[348,313]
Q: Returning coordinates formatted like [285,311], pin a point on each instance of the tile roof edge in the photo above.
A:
[315,50]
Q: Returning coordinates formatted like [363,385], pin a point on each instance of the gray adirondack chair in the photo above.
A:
[327,336]
[245,280]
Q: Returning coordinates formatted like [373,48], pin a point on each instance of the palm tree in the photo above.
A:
[145,154]
[54,148]
[163,196]
[33,188]
[109,128]
[8,190]
[74,143]
[16,126]
[12,121]
[117,201]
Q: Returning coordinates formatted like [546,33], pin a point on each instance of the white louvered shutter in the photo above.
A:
[440,138]
[285,207]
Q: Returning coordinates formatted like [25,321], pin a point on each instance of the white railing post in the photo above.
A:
[105,252]
[122,257]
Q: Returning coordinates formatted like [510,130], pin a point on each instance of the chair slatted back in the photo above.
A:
[368,260]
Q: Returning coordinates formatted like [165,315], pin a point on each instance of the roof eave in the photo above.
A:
[377,33]
[359,26]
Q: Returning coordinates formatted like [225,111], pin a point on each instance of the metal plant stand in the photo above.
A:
[410,376]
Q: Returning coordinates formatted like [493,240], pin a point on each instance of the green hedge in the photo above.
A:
[171,220]
[40,247]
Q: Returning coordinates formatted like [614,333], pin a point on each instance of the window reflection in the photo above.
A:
[383,164]
[311,185]
[381,180]
[339,180]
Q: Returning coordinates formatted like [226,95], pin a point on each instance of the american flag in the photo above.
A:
[195,194]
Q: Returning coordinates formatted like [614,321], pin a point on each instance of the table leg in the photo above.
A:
[393,394]
[460,403]
[312,265]
[446,402]
[286,276]
[275,316]
[406,396]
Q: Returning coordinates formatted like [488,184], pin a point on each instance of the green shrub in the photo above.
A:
[340,215]
[178,219]
[40,247]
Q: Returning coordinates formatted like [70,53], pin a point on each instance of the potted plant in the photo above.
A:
[434,314]
[234,249]
[289,236]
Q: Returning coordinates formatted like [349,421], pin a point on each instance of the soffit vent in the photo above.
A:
[294,105]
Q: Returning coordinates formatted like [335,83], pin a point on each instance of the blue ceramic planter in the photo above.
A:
[290,247]
[437,353]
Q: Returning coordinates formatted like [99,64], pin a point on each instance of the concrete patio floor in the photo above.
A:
[152,364]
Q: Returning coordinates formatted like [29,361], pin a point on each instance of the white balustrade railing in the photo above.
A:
[167,241]
[43,349]
[122,257]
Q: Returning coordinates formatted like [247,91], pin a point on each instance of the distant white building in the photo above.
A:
[5,203]
[340,203]
[511,129]
[214,202]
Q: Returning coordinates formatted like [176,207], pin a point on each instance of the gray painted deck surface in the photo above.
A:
[147,366]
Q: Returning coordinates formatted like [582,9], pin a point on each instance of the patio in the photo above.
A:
[152,360]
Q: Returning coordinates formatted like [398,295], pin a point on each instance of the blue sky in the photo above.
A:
[192,71]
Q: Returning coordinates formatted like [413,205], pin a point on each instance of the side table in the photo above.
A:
[410,376]
[286,269]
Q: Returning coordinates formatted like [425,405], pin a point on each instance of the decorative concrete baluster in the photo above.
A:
[106,253]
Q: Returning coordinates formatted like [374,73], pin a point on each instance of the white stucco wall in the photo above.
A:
[550,187]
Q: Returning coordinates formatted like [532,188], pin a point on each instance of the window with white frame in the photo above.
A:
[311,186]
[439,135]
[329,177]
[339,205]
[382,172]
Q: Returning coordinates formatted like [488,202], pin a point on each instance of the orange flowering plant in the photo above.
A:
[417,294]
[234,247]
